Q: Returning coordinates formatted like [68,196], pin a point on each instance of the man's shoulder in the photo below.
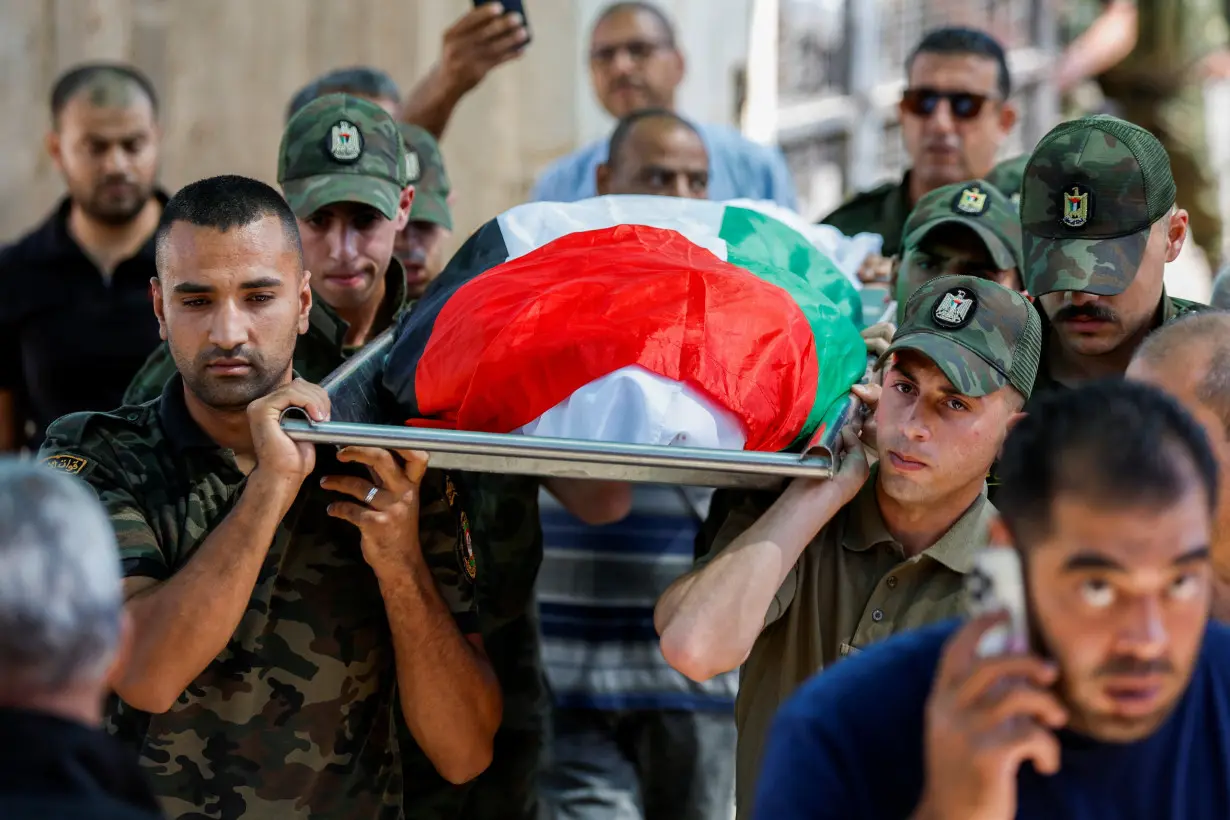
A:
[864,205]
[80,442]
[1182,307]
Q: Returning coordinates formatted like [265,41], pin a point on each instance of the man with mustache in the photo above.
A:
[1099,224]
[342,166]
[75,320]
[1109,700]
[635,63]
[285,600]
[800,579]
[1190,359]
[955,115]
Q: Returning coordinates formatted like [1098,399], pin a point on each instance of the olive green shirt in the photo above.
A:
[1173,36]
[882,210]
[296,716]
[318,352]
[852,586]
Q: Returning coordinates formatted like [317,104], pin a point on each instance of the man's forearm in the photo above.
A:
[431,103]
[1105,44]
[709,619]
[449,695]
[185,622]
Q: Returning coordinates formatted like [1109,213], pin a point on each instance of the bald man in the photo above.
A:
[655,152]
[1190,359]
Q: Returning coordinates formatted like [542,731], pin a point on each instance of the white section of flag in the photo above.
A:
[634,406]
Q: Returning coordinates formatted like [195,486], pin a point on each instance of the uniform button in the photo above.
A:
[878,615]
[892,582]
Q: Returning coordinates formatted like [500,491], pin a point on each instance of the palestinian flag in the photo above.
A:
[645,320]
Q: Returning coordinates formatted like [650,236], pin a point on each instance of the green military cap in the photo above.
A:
[425,170]
[977,205]
[1092,191]
[982,335]
[339,148]
[1007,177]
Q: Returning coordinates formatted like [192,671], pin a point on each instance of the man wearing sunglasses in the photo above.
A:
[955,115]
[635,64]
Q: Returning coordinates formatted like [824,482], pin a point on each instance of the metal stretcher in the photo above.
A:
[359,400]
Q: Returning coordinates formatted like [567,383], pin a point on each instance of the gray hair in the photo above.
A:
[61,597]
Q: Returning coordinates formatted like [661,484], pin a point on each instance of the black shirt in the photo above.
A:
[70,339]
[54,769]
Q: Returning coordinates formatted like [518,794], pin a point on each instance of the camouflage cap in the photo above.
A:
[425,170]
[982,335]
[1007,177]
[977,205]
[1092,190]
[339,148]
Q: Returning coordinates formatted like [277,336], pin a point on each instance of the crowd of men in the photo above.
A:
[302,631]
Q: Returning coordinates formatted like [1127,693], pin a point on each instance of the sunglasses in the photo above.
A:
[922,102]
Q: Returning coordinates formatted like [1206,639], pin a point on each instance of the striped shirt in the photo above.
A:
[596,594]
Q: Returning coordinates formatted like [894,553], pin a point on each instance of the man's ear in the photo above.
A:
[403,207]
[1008,115]
[155,287]
[1013,421]
[54,147]
[305,301]
[1176,234]
[602,179]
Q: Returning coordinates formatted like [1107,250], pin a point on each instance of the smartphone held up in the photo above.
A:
[996,584]
[513,7]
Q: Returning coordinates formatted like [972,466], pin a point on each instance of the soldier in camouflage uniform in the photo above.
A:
[420,245]
[282,599]
[969,228]
[343,202]
[1151,59]
[1099,224]
[955,115]
[797,580]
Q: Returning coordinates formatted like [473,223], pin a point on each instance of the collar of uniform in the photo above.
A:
[955,549]
[177,423]
[180,428]
[55,242]
[324,320]
[897,209]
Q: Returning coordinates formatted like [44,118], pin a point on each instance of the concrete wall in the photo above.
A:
[225,69]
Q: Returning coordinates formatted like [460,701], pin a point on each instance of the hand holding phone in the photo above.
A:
[992,706]
[490,35]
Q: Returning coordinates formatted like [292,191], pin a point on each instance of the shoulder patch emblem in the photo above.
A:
[465,542]
[345,142]
[66,463]
[955,309]
[972,201]
[1076,206]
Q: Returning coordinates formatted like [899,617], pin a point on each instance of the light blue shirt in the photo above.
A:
[738,169]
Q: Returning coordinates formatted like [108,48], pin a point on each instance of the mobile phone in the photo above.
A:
[513,7]
[997,584]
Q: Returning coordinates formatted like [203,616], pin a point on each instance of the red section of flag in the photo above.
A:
[519,339]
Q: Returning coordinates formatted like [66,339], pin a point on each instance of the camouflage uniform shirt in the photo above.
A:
[851,587]
[318,352]
[296,717]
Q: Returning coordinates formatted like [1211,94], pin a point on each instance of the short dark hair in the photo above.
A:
[668,28]
[1177,343]
[78,77]
[623,129]
[1113,442]
[958,40]
[363,80]
[226,202]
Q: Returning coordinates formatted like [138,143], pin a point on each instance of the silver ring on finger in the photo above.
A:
[371,495]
